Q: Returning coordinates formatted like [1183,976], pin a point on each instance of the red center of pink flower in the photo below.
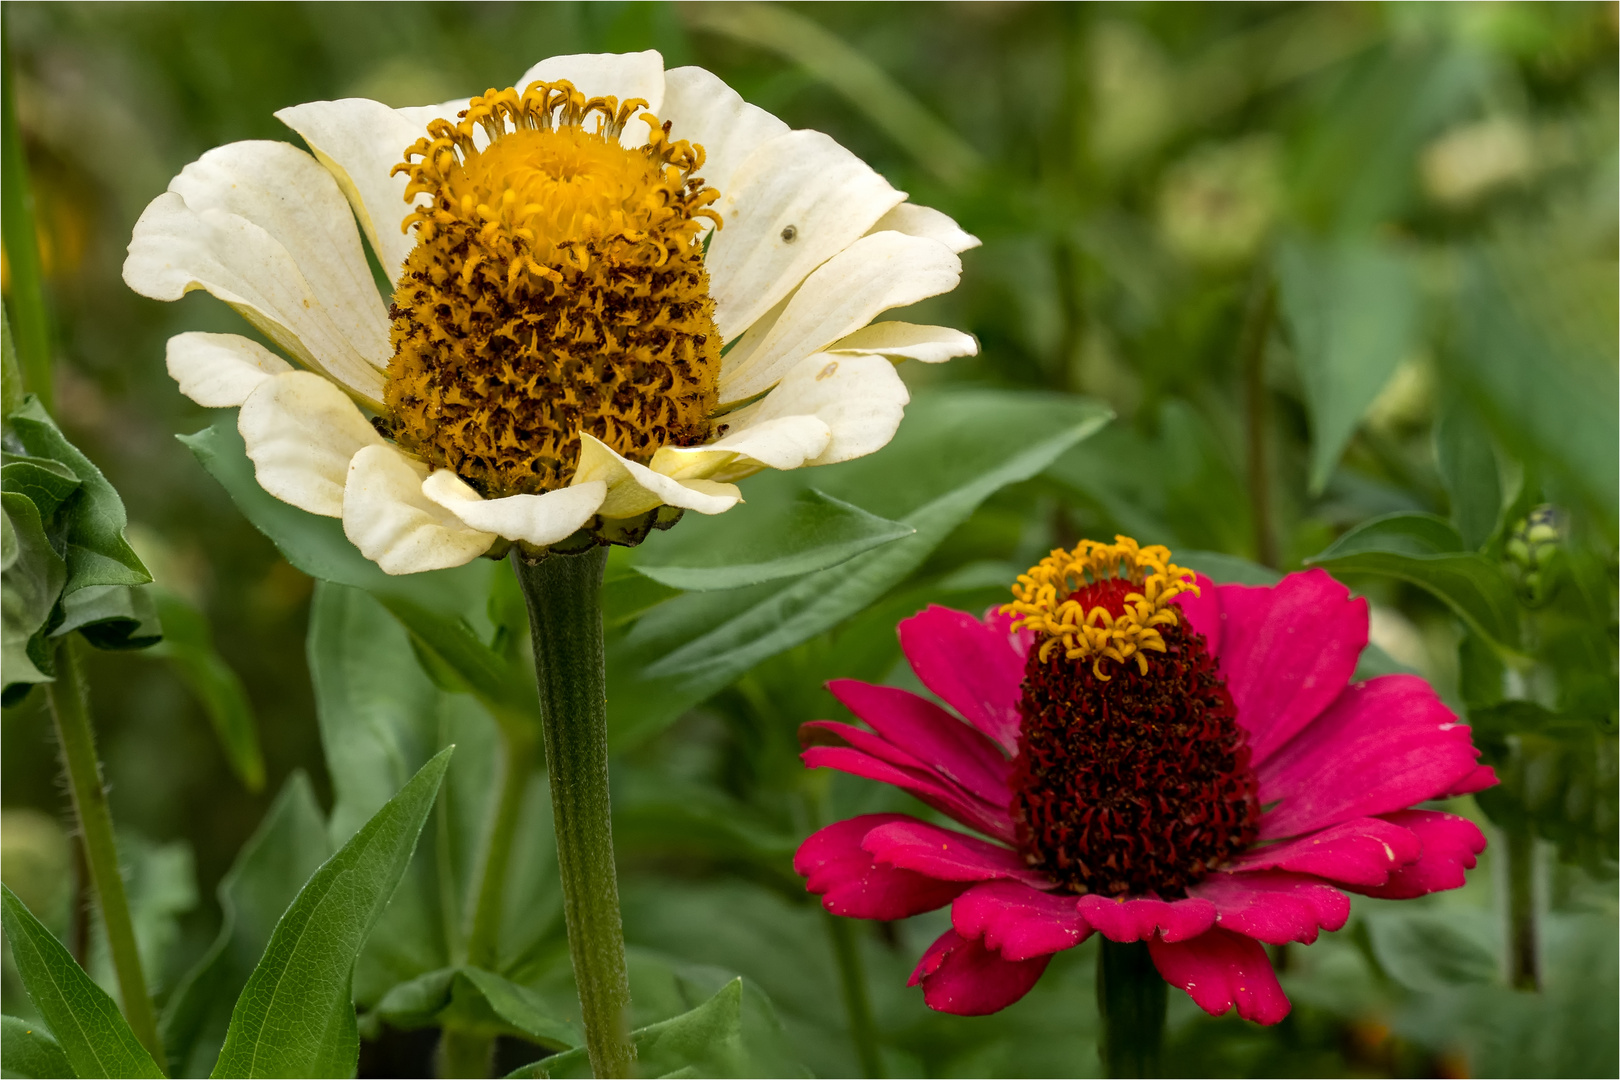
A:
[1131,781]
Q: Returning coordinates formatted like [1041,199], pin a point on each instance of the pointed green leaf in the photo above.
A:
[708,1041]
[286,849]
[48,483]
[478,1000]
[296,1014]
[1462,449]
[763,540]
[31,578]
[97,553]
[91,1031]
[1352,311]
[111,616]
[1426,551]
[27,1050]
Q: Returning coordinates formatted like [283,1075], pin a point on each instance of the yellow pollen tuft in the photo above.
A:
[557,285]
[1101,601]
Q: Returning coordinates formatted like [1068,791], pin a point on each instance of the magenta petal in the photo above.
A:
[1383,746]
[964,978]
[1362,851]
[1450,846]
[1021,640]
[947,855]
[850,882]
[972,667]
[1481,778]
[1144,917]
[1204,613]
[930,734]
[1273,906]
[942,795]
[1017,921]
[1221,969]
[1287,651]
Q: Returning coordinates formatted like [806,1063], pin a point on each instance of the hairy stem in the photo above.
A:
[1131,998]
[565,618]
[71,713]
[852,981]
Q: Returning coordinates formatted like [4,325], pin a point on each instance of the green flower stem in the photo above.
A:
[465,1053]
[565,619]
[71,713]
[852,980]
[29,321]
[1524,965]
[1131,998]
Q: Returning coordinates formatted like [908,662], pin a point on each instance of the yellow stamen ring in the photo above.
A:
[1057,599]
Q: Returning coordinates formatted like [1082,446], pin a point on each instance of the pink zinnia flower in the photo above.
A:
[1148,756]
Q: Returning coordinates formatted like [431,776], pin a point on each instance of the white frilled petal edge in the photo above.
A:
[815,246]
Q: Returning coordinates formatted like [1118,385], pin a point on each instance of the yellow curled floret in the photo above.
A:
[1052,599]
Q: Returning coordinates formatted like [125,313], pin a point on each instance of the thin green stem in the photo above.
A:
[1524,962]
[71,713]
[30,324]
[852,981]
[1131,998]
[565,619]
[464,1053]
[518,763]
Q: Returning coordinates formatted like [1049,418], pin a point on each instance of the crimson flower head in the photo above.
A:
[1148,756]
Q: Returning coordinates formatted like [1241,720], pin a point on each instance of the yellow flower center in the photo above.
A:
[557,286]
[1101,601]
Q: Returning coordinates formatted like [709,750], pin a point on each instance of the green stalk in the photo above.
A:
[463,1052]
[71,713]
[565,619]
[1131,998]
[29,321]
[1524,965]
[852,981]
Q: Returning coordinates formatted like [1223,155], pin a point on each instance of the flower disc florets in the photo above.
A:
[1136,781]
[557,285]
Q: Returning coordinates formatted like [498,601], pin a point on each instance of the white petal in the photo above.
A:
[908,341]
[264,227]
[300,432]
[634,489]
[396,526]
[536,519]
[360,141]
[878,272]
[704,110]
[219,371]
[620,75]
[793,203]
[782,442]
[860,398]
[914,220]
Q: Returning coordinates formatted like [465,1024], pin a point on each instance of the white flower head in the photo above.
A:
[617,291]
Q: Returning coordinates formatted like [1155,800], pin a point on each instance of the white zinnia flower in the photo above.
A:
[550,359]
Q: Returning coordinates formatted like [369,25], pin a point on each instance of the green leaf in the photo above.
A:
[713,1039]
[479,1000]
[11,381]
[93,1035]
[48,483]
[160,883]
[763,541]
[96,551]
[31,578]
[1430,951]
[1426,551]
[427,604]
[287,848]
[1352,311]
[953,451]
[27,1050]
[111,617]
[1462,449]
[188,646]
[296,1014]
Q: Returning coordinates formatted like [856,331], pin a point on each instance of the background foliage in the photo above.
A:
[1345,276]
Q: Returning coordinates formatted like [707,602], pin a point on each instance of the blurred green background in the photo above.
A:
[1311,255]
